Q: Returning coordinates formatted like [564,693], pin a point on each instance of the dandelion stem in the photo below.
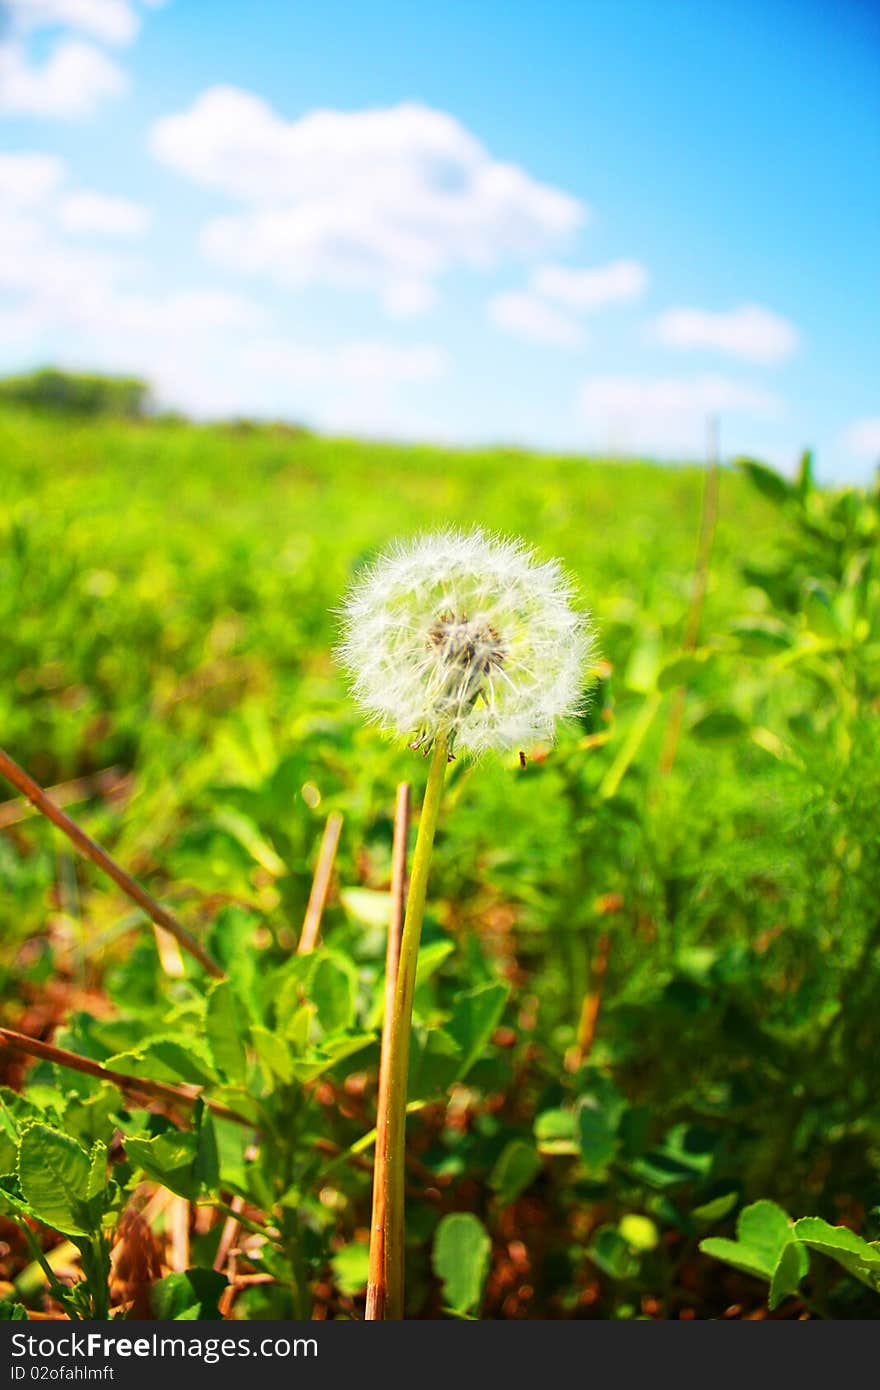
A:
[401,1026]
[376,1286]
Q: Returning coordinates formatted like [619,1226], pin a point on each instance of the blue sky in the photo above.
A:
[580,226]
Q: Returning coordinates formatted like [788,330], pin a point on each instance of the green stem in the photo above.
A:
[401,1026]
[633,742]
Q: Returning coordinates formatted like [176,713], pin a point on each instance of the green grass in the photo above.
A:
[166,598]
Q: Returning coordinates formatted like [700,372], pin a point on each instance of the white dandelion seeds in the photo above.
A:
[467,634]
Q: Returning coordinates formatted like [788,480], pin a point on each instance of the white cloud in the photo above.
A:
[862,439]
[408,298]
[527,316]
[535,312]
[111,21]
[98,213]
[206,350]
[27,180]
[667,414]
[376,362]
[72,82]
[364,199]
[750,331]
[590,289]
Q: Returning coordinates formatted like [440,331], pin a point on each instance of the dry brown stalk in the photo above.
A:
[228,1237]
[177,1218]
[109,783]
[592,1004]
[91,850]
[135,1087]
[320,884]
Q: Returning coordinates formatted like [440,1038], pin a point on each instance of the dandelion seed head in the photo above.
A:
[467,634]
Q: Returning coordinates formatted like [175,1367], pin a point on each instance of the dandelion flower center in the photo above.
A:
[465,653]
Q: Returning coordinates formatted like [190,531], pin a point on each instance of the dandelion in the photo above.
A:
[456,641]
[467,636]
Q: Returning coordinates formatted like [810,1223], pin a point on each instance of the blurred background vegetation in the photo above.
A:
[669,921]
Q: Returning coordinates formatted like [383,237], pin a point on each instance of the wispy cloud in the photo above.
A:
[207,350]
[862,439]
[72,82]
[546,311]
[109,21]
[364,199]
[98,214]
[528,316]
[586,290]
[751,332]
[374,361]
[27,180]
[665,414]
[75,76]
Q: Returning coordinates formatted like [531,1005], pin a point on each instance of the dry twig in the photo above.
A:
[91,850]
[320,884]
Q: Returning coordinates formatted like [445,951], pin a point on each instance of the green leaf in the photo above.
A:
[718,725]
[297,1027]
[643,665]
[765,1247]
[247,834]
[639,1232]
[351,1267]
[8,1151]
[790,1269]
[517,1167]
[185,1161]
[762,636]
[460,1259]
[164,1059]
[858,1257]
[367,905]
[226,1025]
[598,1141]
[10,1311]
[555,1132]
[767,481]
[332,1052]
[805,478]
[332,990]
[290,990]
[431,957]
[55,1175]
[686,1153]
[683,669]
[97,1183]
[89,1118]
[435,1061]
[475,1016]
[274,1053]
[190,1296]
[206,1168]
[612,1253]
[766,1229]
[716,1208]
[732,1253]
[167,1159]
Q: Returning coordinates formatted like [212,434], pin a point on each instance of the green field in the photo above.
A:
[648,997]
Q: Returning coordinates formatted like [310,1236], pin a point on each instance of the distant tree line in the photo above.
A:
[78,393]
